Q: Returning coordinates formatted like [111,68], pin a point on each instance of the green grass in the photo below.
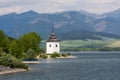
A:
[114,44]
[81,43]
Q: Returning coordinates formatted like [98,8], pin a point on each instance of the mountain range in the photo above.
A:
[68,24]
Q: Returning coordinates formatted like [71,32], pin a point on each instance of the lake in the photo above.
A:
[88,66]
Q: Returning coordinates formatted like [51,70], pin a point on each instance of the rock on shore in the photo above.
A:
[6,70]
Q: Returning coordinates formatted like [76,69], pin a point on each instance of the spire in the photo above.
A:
[52,37]
[53,30]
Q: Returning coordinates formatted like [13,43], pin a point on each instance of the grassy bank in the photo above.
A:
[90,45]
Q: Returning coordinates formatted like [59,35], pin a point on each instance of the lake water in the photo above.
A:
[88,66]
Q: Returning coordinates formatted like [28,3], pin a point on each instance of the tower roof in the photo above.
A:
[52,37]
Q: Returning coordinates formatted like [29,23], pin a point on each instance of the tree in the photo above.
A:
[31,41]
[4,41]
[16,49]
[30,55]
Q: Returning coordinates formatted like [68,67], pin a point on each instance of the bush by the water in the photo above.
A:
[68,54]
[30,55]
[44,56]
[11,61]
[54,55]
[65,55]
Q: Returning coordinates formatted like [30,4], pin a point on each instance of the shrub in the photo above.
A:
[63,55]
[44,56]
[54,55]
[11,61]
[68,54]
[30,55]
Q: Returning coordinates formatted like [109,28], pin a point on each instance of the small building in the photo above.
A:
[52,44]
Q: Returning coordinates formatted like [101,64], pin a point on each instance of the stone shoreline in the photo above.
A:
[68,57]
[30,62]
[7,70]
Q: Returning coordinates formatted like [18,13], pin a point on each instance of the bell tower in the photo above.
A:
[52,44]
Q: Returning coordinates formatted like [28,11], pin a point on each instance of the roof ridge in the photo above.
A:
[53,38]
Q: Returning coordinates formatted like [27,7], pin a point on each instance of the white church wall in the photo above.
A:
[52,47]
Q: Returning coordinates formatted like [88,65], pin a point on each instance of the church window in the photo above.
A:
[50,45]
[56,45]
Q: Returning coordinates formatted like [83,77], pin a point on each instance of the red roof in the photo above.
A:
[53,38]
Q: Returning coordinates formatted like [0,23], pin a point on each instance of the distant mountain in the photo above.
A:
[85,35]
[66,22]
[108,22]
[14,24]
[112,14]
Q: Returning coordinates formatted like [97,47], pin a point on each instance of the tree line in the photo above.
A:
[24,48]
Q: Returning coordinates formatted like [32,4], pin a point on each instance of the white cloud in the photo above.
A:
[101,1]
[8,10]
[96,6]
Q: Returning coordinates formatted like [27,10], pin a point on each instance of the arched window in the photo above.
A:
[50,45]
[56,45]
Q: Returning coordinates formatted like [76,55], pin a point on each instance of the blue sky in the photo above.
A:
[44,6]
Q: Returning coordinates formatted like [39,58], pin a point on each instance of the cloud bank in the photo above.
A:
[45,6]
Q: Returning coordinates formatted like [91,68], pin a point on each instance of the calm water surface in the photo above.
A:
[88,66]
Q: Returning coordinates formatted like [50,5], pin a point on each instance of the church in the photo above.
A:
[52,44]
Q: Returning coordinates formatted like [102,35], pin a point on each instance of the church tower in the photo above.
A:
[52,44]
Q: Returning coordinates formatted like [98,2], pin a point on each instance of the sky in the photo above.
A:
[45,6]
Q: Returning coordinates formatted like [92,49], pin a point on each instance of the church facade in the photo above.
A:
[52,44]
